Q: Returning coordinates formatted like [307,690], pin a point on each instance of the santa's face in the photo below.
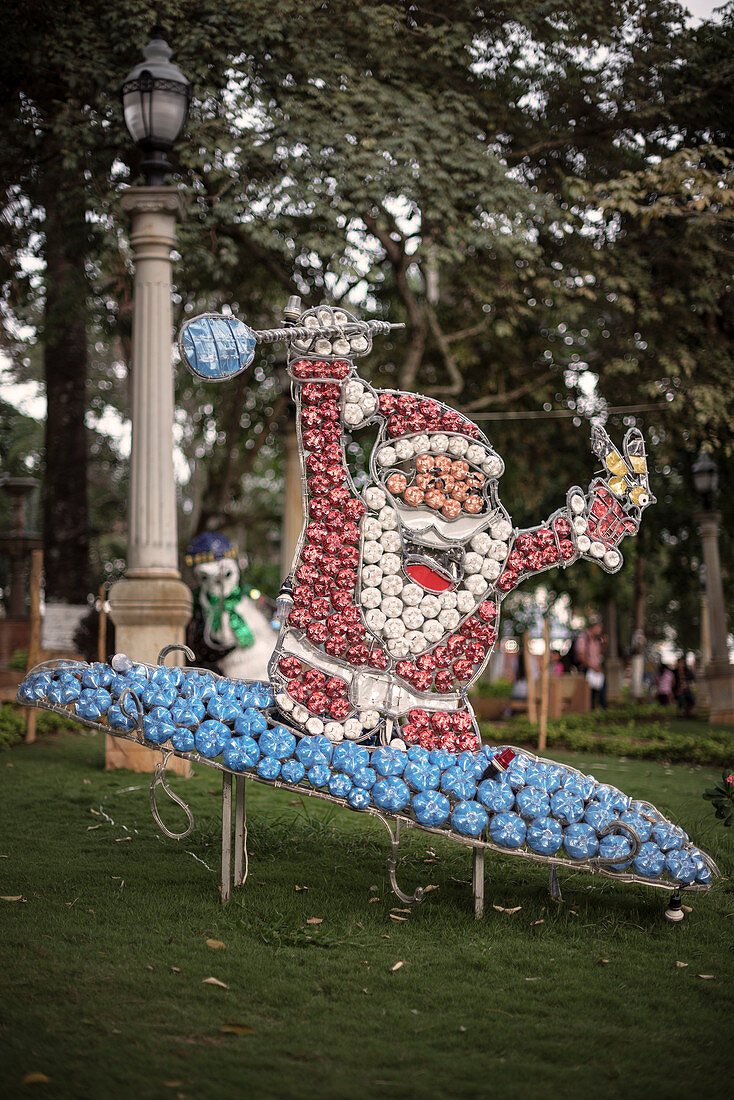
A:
[217,579]
[434,541]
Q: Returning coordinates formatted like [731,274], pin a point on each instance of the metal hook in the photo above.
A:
[160,778]
[170,649]
[614,861]
[407,899]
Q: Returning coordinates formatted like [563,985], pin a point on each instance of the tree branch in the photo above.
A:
[511,395]
[457,380]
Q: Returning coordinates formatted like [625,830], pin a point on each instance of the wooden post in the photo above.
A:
[544,687]
[102,625]
[529,676]
[34,645]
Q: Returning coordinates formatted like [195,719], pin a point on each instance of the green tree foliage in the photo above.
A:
[541,192]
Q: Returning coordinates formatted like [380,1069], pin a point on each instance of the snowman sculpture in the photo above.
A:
[228,633]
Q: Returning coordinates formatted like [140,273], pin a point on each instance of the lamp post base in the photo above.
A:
[149,613]
[719,678]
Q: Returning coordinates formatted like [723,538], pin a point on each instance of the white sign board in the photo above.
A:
[59,625]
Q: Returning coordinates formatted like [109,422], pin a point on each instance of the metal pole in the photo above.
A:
[477,880]
[240,819]
[226,836]
[719,673]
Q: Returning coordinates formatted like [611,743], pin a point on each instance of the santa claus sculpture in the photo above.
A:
[398,579]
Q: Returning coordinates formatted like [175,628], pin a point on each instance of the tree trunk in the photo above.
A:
[65,513]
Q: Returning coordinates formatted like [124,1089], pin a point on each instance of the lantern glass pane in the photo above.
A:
[136,108]
[168,115]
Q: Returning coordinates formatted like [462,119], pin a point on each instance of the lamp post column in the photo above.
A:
[719,673]
[150,606]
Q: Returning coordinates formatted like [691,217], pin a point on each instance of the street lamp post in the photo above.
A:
[151,606]
[718,672]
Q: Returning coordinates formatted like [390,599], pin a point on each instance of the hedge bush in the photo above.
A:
[12,724]
[647,740]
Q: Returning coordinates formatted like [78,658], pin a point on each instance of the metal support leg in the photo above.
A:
[226,887]
[554,888]
[392,863]
[477,881]
[240,831]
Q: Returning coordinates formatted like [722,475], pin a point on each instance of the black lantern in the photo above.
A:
[706,479]
[155,101]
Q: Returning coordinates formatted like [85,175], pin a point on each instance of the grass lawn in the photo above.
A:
[105,958]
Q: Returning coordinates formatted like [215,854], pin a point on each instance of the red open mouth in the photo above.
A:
[428,578]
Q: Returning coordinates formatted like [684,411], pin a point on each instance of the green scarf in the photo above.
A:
[217,607]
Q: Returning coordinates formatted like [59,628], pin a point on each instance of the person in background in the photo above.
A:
[557,664]
[685,695]
[665,685]
[591,647]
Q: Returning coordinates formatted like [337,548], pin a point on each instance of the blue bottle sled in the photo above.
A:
[532,808]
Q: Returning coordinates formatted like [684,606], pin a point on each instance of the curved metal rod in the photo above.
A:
[614,827]
[138,707]
[174,647]
[160,778]
[303,332]
[407,899]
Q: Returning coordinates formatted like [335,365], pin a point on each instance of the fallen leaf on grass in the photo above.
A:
[367,992]
[315,920]
[121,839]
[686,908]
[95,812]
[214,981]
[394,916]
[216,944]
[397,909]
[706,977]
[396,966]
[680,965]
[299,889]
[12,897]
[462,1028]
[176,970]
[372,899]
[36,1079]
[532,979]
[431,886]
[237,1029]
[90,827]
[501,909]
[534,922]
[602,962]
[149,967]
[173,1084]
